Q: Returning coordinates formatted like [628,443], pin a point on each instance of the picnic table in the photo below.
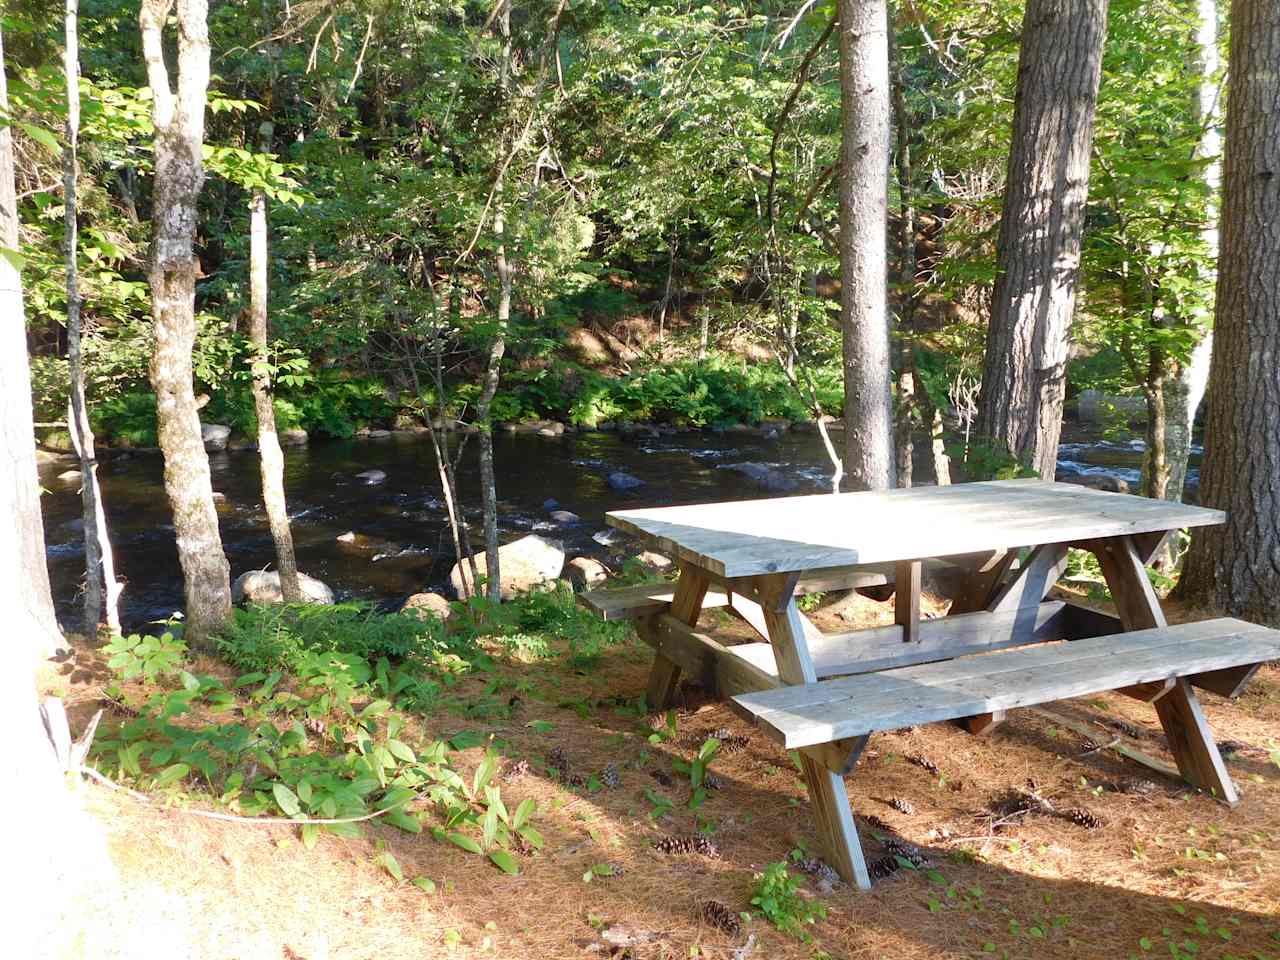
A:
[996,549]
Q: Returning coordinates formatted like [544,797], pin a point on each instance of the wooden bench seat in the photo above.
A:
[815,713]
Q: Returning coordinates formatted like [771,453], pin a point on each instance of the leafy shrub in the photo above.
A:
[131,416]
[148,657]
[776,897]
[338,405]
[274,636]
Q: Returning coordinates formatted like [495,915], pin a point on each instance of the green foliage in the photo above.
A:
[775,896]
[131,416]
[150,658]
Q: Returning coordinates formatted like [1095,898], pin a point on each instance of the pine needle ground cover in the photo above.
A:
[657,832]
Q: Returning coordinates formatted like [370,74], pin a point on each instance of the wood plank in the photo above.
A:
[810,533]
[833,817]
[753,615]
[641,600]
[1148,692]
[713,666]
[664,677]
[1033,581]
[1118,744]
[853,706]
[906,603]
[1135,598]
[1192,744]
[984,575]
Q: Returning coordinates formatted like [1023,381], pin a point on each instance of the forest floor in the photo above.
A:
[1165,872]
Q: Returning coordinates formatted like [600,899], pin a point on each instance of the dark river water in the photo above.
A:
[405,546]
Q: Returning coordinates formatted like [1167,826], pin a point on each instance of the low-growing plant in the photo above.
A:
[148,657]
[775,896]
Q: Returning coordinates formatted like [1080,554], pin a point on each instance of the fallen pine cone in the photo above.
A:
[908,852]
[609,776]
[1138,786]
[730,742]
[902,806]
[717,915]
[920,760]
[819,869]
[875,823]
[712,782]
[662,777]
[687,844]
[884,867]
[1082,818]
[515,770]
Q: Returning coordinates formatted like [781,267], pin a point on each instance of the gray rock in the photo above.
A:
[551,503]
[263,586]
[215,436]
[1100,481]
[372,477]
[525,564]
[378,433]
[763,474]
[583,573]
[607,538]
[618,480]
[242,444]
[294,437]
[566,518]
[70,476]
[429,604]
[552,429]
[655,561]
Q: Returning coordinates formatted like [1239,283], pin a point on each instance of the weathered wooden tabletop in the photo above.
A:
[796,534]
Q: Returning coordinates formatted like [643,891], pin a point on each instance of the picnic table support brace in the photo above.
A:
[664,677]
[837,832]
[1190,740]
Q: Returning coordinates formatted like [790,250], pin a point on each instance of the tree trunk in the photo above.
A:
[1234,567]
[908,402]
[1185,389]
[179,174]
[1024,373]
[270,456]
[864,201]
[24,575]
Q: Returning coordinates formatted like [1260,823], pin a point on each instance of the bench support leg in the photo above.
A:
[1192,744]
[664,677]
[832,815]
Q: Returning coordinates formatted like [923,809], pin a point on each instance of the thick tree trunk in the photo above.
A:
[24,575]
[270,456]
[1185,389]
[908,402]
[864,201]
[1024,374]
[1235,567]
[179,174]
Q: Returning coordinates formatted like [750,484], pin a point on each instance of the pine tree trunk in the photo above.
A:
[1046,187]
[1185,389]
[179,174]
[270,456]
[864,201]
[1233,567]
[24,576]
[908,402]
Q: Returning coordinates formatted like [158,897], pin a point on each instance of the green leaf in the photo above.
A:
[541,726]
[505,862]
[425,884]
[376,709]
[401,751]
[41,136]
[523,812]
[310,834]
[465,842]
[484,773]
[466,739]
[172,774]
[404,820]
[286,799]
[390,864]
[18,261]
[532,837]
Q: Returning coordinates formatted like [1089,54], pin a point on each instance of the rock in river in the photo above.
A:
[583,573]
[525,564]
[215,436]
[566,518]
[620,480]
[372,477]
[263,586]
[763,474]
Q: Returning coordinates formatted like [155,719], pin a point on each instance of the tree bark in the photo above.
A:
[908,402]
[24,575]
[270,456]
[1038,259]
[864,202]
[179,174]
[1236,566]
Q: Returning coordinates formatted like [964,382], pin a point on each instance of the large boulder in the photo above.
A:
[525,564]
[263,586]
[620,480]
[215,436]
[763,474]
[657,562]
[565,518]
[372,477]
[583,573]
[428,604]
[293,437]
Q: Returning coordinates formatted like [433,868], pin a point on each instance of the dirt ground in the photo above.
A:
[1168,872]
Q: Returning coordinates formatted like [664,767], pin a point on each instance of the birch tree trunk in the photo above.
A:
[864,202]
[179,174]
[1185,389]
[99,566]
[1234,567]
[1047,184]
[908,402]
[25,595]
[270,456]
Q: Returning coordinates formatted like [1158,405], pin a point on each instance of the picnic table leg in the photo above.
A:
[1190,740]
[664,677]
[837,832]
